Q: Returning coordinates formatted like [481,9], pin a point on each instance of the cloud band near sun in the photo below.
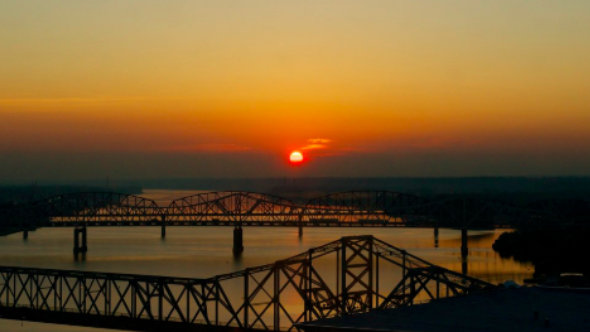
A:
[316,143]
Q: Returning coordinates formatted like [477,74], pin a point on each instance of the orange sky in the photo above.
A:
[371,88]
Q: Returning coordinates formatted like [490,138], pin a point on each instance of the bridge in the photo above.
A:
[344,277]
[239,209]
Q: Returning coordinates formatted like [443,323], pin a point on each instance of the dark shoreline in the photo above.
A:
[552,252]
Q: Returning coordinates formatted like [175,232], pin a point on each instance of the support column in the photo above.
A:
[436,237]
[464,268]
[25,234]
[238,240]
[84,239]
[343,285]
[80,234]
[404,272]
[277,298]
[163,232]
[76,241]
[464,248]
[246,297]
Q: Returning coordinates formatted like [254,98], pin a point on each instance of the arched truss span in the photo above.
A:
[353,208]
[367,207]
[89,208]
[232,206]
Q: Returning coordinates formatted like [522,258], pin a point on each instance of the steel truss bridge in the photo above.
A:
[348,276]
[238,208]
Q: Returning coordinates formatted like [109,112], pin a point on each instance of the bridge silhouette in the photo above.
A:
[239,209]
[344,277]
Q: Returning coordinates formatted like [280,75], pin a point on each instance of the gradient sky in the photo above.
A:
[174,89]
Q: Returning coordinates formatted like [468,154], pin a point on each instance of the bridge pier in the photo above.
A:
[238,240]
[464,248]
[80,233]
[300,230]
[436,237]
[464,268]
[464,251]
[26,234]
[163,231]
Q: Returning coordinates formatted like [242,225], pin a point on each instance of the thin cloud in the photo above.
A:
[319,141]
[316,144]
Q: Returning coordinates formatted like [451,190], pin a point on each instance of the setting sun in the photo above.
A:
[296,157]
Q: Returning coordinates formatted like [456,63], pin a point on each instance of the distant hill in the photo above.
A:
[516,189]
[504,188]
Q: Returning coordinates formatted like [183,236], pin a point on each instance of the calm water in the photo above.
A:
[207,251]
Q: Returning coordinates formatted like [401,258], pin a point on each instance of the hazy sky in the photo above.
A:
[148,89]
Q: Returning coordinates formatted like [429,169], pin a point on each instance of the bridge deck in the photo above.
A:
[255,224]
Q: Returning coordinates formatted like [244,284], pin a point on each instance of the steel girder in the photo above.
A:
[355,208]
[351,275]
[87,208]
[234,206]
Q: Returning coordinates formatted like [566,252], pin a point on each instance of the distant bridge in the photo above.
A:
[239,208]
[231,208]
[348,276]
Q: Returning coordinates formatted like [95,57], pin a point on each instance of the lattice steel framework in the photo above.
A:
[92,208]
[232,206]
[368,273]
[355,208]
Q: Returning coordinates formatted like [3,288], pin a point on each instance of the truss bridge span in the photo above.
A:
[344,277]
[239,208]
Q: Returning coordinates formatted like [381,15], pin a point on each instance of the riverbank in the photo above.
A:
[551,252]
[502,310]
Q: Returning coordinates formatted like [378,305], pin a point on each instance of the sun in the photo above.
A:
[296,157]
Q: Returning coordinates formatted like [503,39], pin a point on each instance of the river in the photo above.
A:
[207,251]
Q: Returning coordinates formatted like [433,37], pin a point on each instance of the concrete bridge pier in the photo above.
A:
[300,223]
[436,237]
[464,268]
[238,240]
[80,240]
[464,248]
[26,234]
[163,231]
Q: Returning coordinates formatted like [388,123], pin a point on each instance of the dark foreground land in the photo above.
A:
[552,252]
[504,310]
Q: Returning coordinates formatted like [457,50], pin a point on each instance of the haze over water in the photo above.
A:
[385,93]
[202,252]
